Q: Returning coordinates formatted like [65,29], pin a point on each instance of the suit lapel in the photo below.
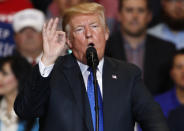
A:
[111,91]
[75,79]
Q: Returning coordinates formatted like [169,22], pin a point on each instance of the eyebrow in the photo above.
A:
[95,22]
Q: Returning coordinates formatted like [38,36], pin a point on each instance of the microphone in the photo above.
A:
[92,61]
[91,56]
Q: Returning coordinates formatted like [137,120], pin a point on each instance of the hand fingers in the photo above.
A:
[44,33]
[54,26]
[60,37]
[49,25]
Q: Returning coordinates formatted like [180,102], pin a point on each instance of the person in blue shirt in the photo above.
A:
[173,98]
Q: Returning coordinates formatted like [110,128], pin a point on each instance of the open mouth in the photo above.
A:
[91,45]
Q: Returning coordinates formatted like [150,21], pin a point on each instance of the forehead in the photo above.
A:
[6,66]
[84,19]
[179,58]
[27,29]
[134,3]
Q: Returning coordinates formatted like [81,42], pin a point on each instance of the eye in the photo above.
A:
[4,73]
[94,26]
[79,29]
[179,66]
[141,10]
[129,10]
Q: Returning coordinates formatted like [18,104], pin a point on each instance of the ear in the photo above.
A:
[107,32]
[69,43]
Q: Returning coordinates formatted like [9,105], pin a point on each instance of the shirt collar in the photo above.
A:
[84,67]
[30,59]
[128,46]
[167,30]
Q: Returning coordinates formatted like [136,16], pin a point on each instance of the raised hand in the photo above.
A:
[54,42]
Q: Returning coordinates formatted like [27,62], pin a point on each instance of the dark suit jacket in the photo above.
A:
[62,104]
[157,57]
[176,118]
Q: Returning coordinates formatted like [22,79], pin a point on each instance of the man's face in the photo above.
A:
[86,29]
[174,8]
[173,14]
[134,17]
[177,72]
[28,40]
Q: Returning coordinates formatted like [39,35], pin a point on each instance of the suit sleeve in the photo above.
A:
[32,99]
[146,111]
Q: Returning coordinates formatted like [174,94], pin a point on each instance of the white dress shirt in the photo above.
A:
[46,70]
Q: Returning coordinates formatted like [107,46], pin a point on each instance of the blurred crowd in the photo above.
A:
[147,33]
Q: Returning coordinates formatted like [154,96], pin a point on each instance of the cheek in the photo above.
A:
[78,45]
[9,85]
[176,76]
[125,19]
[11,80]
[169,9]
[19,39]
[79,41]
[38,40]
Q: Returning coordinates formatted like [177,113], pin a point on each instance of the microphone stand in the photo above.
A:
[95,82]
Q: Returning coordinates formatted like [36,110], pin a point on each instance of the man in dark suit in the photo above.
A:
[132,44]
[60,95]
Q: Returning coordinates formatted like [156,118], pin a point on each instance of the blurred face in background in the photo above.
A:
[173,11]
[174,8]
[134,17]
[177,71]
[28,40]
[8,81]
[64,4]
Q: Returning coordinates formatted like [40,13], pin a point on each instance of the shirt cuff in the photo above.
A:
[45,70]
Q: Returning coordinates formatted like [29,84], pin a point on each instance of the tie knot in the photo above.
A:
[33,62]
[90,69]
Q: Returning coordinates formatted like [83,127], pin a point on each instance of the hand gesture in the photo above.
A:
[53,42]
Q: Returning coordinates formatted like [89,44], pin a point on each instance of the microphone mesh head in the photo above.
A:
[92,57]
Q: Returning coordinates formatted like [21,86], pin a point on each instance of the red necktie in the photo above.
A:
[33,62]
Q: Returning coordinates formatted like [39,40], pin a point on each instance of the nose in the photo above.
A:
[29,32]
[88,32]
[135,13]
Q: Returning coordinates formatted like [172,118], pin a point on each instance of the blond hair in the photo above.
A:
[83,8]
